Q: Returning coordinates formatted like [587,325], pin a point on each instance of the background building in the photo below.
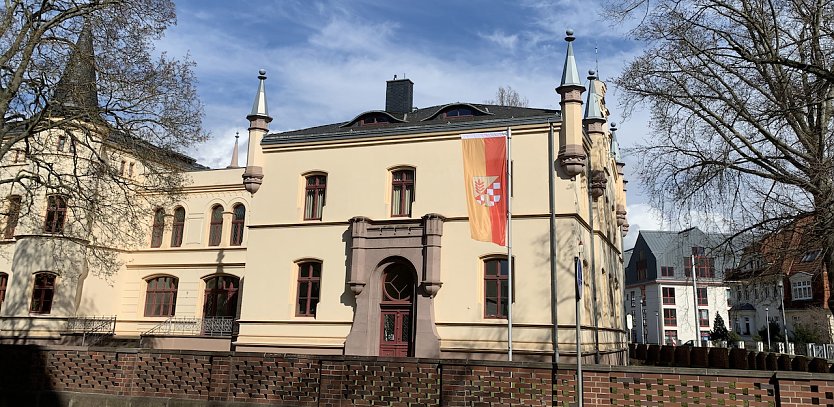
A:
[793,258]
[659,288]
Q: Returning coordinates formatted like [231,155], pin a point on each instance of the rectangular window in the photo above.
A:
[670,337]
[4,281]
[19,156]
[309,284]
[703,317]
[56,211]
[496,288]
[668,295]
[801,290]
[702,296]
[402,192]
[130,169]
[641,269]
[315,188]
[122,168]
[42,293]
[670,317]
[632,299]
[62,142]
[12,216]
[667,271]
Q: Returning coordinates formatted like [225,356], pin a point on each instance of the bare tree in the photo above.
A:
[742,99]
[92,115]
[508,97]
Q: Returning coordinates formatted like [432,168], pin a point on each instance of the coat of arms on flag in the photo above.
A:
[487,190]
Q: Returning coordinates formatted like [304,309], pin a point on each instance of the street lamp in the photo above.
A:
[767,324]
[784,320]
[657,321]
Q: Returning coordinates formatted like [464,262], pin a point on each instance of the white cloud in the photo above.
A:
[499,38]
[641,216]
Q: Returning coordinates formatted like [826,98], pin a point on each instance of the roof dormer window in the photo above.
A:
[374,120]
[459,112]
[810,256]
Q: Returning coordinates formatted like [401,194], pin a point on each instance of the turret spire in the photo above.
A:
[259,108]
[234,163]
[75,93]
[592,108]
[570,75]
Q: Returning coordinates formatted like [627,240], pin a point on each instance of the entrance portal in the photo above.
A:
[396,310]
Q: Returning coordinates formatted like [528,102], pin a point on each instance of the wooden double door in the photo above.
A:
[396,312]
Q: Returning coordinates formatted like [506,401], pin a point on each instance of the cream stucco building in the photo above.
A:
[353,238]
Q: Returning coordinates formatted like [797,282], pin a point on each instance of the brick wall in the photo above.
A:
[65,376]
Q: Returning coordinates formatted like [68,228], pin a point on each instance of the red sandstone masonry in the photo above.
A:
[302,380]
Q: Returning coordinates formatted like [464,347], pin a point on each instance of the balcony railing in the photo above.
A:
[91,328]
[179,326]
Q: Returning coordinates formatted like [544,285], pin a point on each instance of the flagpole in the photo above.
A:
[509,245]
[577,265]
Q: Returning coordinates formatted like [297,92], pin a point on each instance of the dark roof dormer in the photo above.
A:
[373,118]
[456,111]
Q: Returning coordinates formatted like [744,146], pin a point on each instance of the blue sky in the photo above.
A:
[327,61]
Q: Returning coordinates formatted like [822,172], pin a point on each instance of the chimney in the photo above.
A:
[399,96]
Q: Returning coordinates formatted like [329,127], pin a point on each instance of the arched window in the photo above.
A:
[402,192]
[12,216]
[216,225]
[158,227]
[316,186]
[309,284]
[4,281]
[161,297]
[56,212]
[177,227]
[237,224]
[42,293]
[496,287]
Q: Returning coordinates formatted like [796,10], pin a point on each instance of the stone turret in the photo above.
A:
[258,127]
[594,122]
[572,155]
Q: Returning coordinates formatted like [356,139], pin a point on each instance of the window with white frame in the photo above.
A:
[801,290]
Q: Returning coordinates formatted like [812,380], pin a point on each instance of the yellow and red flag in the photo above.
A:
[485,177]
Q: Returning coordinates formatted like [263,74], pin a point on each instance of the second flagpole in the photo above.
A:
[509,244]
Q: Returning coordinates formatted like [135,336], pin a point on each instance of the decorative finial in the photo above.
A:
[613,126]
[262,74]
[237,134]
[592,74]
[569,36]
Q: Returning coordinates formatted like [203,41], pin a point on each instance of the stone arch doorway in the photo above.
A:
[396,309]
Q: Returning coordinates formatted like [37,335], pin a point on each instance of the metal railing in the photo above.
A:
[92,328]
[820,350]
[185,326]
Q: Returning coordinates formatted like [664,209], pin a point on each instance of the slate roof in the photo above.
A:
[657,240]
[421,120]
